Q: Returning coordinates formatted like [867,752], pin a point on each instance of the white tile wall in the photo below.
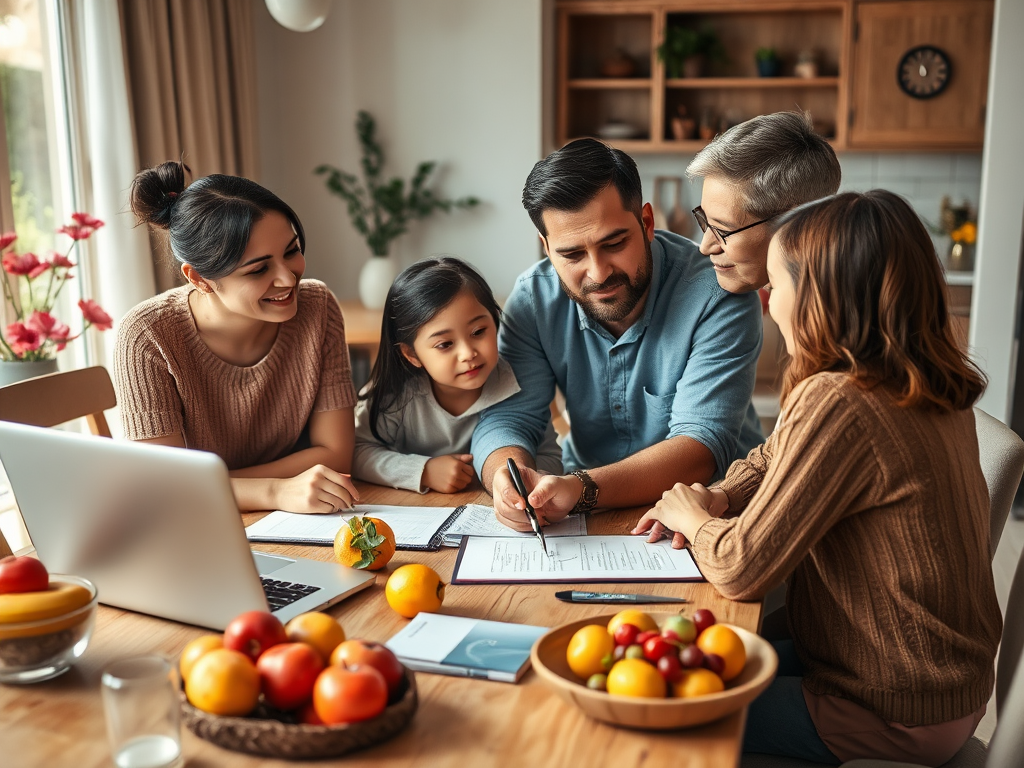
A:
[923,179]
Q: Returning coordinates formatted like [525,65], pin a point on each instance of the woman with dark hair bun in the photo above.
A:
[246,360]
[868,500]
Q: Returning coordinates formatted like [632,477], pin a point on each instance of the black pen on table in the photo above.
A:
[531,515]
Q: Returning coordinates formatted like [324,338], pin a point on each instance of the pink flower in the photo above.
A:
[23,339]
[94,314]
[6,239]
[49,327]
[86,220]
[24,264]
[57,260]
[76,232]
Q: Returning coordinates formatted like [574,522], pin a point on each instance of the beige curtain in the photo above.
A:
[192,86]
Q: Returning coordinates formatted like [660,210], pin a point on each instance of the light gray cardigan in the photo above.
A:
[421,429]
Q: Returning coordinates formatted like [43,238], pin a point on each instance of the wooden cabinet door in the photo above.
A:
[882,115]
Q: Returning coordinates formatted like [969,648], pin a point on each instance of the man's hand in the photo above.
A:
[551,496]
[448,474]
[318,490]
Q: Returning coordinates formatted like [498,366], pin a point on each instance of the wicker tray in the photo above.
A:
[264,734]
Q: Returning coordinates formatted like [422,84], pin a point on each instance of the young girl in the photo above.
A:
[438,368]
[868,497]
[247,360]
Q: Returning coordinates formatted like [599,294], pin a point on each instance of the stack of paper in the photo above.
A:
[478,520]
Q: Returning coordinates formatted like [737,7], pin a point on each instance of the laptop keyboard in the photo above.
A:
[282,593]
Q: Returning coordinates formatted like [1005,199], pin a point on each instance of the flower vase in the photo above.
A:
[375,280]
[13,371]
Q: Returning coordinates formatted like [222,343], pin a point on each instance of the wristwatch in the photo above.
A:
[588,499]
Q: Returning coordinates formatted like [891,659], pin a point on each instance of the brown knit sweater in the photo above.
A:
[169,382]
[879,517]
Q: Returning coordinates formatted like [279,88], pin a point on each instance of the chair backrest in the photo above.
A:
[1002,463]
[47,401]
[1007,747]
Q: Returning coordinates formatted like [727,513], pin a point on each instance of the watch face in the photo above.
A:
[923,72]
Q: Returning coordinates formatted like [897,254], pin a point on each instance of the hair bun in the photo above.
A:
[154,192]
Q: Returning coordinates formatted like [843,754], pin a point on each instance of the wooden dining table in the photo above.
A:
[460,722]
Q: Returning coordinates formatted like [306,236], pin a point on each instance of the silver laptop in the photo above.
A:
[156,529]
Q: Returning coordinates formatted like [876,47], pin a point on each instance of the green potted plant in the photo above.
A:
[767,62]
[381,210]
[685,50]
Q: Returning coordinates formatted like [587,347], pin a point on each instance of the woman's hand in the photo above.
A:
[448,474]
[715,500]
[318,490]
[682,510]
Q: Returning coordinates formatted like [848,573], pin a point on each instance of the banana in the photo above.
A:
[59,599]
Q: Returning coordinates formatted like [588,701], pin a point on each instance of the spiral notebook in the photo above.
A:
[416,528]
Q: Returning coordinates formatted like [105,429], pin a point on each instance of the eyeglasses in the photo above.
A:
[702,222]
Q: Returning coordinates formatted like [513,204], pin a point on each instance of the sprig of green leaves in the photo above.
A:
[366,539]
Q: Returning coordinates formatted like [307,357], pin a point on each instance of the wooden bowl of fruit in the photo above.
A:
[300,691]
[655,671]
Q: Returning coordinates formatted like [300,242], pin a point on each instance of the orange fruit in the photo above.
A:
[224,682]
[635,677]
[317,629]
[414,588]
[638,619]
[590,651]
[364,542]
[697,682]
[719,639]
[194,649]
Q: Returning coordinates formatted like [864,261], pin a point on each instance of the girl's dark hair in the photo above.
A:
[416,296]
[569,178]
[209,221]
[871,301]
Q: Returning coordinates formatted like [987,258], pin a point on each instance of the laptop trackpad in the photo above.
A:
[269,563]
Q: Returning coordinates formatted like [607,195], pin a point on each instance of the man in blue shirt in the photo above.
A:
[656,361]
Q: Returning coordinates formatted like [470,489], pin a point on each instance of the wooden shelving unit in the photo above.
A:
[854,101]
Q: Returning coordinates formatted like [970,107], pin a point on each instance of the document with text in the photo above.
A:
[478,520]
[572,559]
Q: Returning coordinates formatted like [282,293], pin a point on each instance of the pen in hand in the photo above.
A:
[531,515]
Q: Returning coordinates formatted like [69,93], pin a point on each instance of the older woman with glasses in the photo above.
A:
[752,173]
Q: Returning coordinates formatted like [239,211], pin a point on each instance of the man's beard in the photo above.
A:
[616,309]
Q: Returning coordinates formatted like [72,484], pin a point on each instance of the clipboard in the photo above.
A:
[572,560]
[419,529]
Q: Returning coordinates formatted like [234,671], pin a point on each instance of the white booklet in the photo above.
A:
[572,559]
[478,520]
[415,527]
[455,645]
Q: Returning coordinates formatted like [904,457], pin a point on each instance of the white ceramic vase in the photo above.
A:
[12,371]
[375,280]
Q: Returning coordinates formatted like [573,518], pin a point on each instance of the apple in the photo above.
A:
[363,652]
[288,672]
[679,628]
[23,574]
[253,632]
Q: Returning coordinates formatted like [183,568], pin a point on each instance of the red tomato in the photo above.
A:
[656,647]
[625,634]
[643,637]
[362,652]
[287,674]
[22,574]
[253,632]
[349,695]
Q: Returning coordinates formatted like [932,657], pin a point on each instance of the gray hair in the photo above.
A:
[776,162]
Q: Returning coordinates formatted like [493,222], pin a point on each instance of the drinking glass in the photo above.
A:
[141,701]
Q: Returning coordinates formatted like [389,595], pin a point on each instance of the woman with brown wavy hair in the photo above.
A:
[868,499]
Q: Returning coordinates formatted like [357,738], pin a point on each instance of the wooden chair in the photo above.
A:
[47,401]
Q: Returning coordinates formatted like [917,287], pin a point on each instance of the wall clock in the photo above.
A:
[923,72]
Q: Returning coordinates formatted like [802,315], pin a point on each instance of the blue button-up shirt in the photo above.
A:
[686,367]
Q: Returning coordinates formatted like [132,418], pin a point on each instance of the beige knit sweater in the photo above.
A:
[169,382]
[879,517]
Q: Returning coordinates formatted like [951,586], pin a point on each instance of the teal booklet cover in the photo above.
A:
[455,645]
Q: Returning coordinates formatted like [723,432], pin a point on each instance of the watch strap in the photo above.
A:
[588,497]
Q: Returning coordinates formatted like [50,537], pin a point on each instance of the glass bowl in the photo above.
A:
[31,651]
